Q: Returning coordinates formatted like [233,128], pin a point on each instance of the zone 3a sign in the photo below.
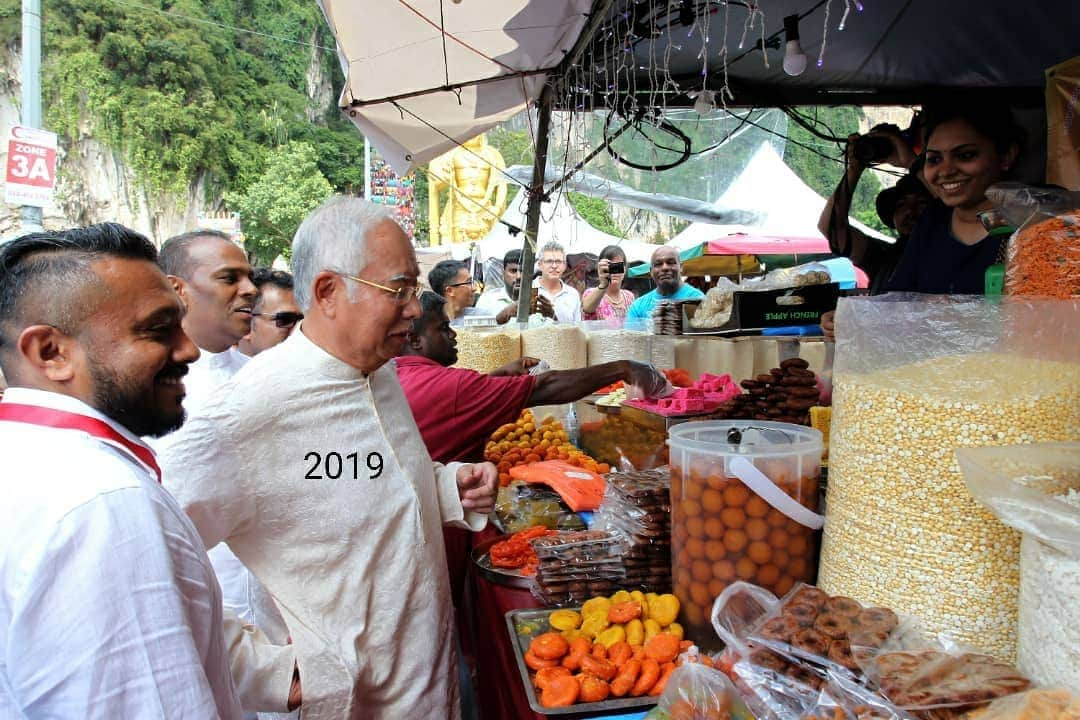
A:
[31,167]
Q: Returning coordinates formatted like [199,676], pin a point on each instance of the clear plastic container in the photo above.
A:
[744,500]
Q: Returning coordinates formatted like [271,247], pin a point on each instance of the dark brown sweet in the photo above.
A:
[840,653]
[802,613]
[794,363]
[811,641]
[878,619]
[845,606]
[811,595]
[833,625]
[780,628]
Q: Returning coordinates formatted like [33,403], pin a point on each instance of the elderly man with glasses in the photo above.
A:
[310,466]
[566,299]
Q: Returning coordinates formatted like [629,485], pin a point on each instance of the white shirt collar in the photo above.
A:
[66,403]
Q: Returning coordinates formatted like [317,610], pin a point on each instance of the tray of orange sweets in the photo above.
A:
[612,653]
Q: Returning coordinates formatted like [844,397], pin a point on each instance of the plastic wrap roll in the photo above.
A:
[561,345]
[610,345]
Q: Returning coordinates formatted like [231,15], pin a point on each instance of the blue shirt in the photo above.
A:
[643,306]
[936,262]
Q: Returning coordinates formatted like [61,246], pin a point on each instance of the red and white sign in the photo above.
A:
[31,167]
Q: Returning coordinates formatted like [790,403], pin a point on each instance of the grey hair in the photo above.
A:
[333,237]
[552,246]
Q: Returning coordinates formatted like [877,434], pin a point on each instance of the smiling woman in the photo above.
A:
[967,150]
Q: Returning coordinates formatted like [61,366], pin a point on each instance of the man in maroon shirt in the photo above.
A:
[457,409]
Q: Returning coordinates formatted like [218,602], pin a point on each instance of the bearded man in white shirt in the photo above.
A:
[310,466]
[565,299]
[213,278]
[108,604]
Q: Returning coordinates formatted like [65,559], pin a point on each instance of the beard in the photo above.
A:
[133,406]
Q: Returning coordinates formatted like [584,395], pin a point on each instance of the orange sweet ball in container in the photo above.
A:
[744,499]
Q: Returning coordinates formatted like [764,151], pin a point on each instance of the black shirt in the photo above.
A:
[934,261]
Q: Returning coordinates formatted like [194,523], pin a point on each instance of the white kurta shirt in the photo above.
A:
[108,604]
[567,302]
[241,592]
[318,479]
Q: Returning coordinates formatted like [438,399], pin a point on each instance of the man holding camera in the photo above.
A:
[899,207]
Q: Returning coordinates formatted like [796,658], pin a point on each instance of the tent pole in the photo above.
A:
[536,196]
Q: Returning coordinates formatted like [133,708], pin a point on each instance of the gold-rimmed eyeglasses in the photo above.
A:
[401,295]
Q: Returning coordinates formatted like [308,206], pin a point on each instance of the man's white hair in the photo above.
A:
[552,246]
[333,237]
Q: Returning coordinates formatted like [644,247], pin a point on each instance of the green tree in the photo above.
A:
[273,206]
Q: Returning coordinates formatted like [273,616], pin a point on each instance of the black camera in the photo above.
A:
[871,149]
[616,268]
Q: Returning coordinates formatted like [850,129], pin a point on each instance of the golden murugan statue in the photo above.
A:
[476,196]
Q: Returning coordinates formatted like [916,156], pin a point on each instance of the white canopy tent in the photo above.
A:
[415,91]
[786,206]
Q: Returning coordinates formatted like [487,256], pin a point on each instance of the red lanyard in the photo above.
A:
[48,417]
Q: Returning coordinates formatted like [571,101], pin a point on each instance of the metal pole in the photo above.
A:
[367,170]
[31,88]
[536,196]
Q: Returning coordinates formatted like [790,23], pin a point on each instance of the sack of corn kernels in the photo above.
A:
[915,379]
[1036,489]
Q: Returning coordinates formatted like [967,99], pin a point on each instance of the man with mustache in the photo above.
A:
[309,465]
[502,302]
[108,604]
[212,276]
[666,272]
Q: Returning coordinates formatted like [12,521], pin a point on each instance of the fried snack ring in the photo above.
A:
[624,612]
[804,614]
[877,618]
[832,625]
[665,672]
[810,595]
[768,660]
[579,648]
[811,641]
[650,673]
[867,637]
[663,647]
[780,628]
[921,679]
[840,605]
[562,691]
[626,678]
[546,675]
[549,646]
[619,653]
[794,363]
[598,667]
[593,689]
[538,663]
[840,653]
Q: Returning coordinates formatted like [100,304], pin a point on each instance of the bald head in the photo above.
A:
[666,270]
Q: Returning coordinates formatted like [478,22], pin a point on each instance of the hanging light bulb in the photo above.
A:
[705,103]
[794,57]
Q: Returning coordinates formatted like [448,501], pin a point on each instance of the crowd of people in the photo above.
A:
[556,299]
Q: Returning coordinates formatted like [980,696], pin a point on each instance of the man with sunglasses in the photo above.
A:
[276,312]
[310,466]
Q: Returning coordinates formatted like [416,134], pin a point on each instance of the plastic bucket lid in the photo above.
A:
[755,438]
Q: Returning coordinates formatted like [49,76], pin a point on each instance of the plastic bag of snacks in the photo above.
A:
[915,379]
[1041,704]
[943,677]
[773,694]
[697,692]
[843,699]
[1044,253]
[1036,489]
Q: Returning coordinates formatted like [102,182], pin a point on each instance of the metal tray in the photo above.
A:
[521,641]
[499,576]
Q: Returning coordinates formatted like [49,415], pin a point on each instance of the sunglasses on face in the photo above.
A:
[281,319]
